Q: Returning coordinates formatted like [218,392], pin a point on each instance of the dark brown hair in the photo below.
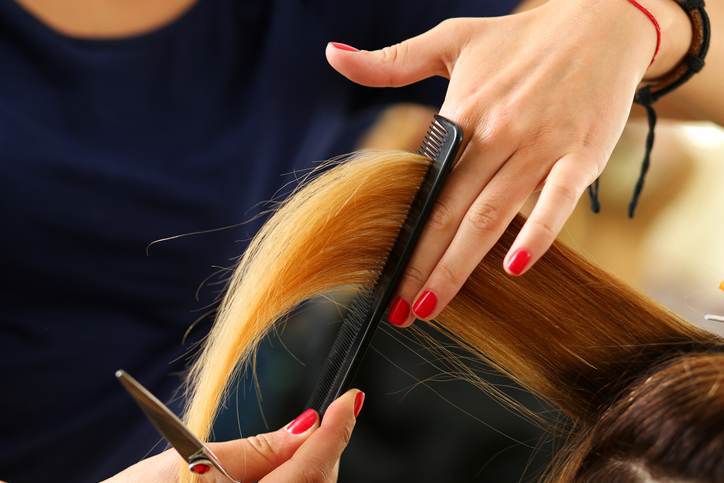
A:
[669,424]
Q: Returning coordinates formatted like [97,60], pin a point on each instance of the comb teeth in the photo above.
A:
[434,141]
[440,145]
[347,340]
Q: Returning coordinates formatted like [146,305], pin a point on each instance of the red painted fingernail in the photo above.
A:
[359,400]
[518,262]
[341,46]
[399,310]
[303,422]
[425,304]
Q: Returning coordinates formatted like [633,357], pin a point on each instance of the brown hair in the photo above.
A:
[614,362]
[669,423]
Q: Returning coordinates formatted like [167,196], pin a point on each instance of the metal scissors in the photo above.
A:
[199,458]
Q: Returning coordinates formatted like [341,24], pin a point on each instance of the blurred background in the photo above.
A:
[420,422]
[673,250]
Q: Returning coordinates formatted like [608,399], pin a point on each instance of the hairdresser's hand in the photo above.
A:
[303,450]
[542,97]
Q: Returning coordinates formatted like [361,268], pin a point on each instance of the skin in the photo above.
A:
[540,113]
[281,456]
[105,18]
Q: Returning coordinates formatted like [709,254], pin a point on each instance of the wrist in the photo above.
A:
[630,31]
[676,35]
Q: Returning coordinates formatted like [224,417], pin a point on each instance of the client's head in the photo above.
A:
[668,425]
[643,389]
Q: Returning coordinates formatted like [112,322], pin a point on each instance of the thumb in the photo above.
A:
[251,458]
[430,54]
[318,458]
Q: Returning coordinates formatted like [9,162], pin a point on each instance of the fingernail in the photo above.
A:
[518,262]
[303,422]
[341,46]
[425,304]
[399,310]
[359,400]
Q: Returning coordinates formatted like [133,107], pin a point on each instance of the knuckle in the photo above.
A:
[483,217]
[467,103]
[451,26]
[494,129]
[565,193]
[593,159]
[262,446]
[545,227]
[448,24]
[582,175]
[441,218]
[582,169]
[392,53]
[466,110]
[451,276]
[413,276]
[346,432]
[315,472]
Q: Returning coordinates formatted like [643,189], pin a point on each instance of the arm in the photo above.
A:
[543,97]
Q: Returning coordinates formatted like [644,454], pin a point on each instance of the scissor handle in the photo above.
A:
[209,471]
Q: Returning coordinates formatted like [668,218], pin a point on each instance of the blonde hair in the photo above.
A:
[566,331]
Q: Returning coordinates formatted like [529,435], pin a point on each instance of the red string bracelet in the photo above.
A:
[653,21]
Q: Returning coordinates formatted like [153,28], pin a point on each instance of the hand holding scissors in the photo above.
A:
[303,450]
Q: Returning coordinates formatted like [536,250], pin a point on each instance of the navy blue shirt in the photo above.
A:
[108,145]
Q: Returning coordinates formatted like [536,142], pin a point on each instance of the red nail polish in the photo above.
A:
[425,304]
[341,46]
[303,422]
[518,262]
[399,310]
[359,400]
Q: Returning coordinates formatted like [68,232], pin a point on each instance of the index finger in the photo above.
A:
[316,460]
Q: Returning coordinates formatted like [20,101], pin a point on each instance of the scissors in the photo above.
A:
[199,458]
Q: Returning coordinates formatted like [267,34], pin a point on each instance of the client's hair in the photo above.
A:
[643,389]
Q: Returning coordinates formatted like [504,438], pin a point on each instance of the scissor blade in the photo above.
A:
[165,421]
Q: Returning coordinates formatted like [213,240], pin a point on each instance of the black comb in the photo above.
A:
[441,145]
